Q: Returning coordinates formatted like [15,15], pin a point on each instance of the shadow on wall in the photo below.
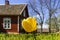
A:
[2,30]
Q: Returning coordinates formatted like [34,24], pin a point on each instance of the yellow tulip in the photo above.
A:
[29,24]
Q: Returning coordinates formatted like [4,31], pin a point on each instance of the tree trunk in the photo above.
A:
[50,22]
[41,26]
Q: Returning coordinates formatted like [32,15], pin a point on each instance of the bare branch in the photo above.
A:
[35,11]
[54,3]
[42,9]
[57,6]
[47,5]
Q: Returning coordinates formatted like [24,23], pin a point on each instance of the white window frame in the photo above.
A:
[6,19]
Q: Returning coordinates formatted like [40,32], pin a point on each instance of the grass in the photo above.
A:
[49,36]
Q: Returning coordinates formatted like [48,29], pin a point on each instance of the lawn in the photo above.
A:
[49,36]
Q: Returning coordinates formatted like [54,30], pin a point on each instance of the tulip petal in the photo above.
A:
[29,24]
[26,26]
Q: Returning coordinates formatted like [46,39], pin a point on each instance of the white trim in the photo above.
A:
[18,23]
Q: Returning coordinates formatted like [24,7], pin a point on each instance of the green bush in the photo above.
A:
[49,36]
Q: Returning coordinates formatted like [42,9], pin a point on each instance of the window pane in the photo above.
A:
[8,21]
[8,26]
[5,26]
[5,21]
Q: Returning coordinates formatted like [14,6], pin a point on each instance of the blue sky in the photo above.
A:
[14,1]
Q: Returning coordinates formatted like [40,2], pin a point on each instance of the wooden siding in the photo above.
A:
[14,24]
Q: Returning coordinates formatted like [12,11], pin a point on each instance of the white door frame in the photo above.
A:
[18,23]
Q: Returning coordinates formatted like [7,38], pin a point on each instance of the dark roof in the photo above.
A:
[12,9]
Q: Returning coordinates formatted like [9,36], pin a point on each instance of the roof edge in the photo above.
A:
[23,9]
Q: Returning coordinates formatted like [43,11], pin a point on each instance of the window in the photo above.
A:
[6,23]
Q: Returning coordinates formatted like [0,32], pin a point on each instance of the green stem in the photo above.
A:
[34,36]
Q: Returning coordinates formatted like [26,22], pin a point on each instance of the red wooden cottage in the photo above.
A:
[11,17]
